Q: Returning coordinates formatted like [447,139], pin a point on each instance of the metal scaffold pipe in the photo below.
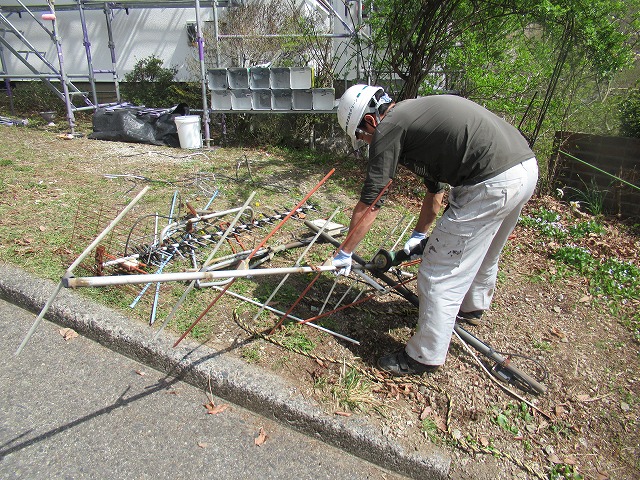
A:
[77,282]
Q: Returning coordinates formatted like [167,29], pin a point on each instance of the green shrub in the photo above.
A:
[630,114]
[149,83]
[590,196]
[33,97]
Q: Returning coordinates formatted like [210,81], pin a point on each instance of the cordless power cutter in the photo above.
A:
[384,260]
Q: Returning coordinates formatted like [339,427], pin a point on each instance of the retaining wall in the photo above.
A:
[619,156]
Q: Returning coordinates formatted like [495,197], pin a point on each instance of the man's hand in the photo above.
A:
[414,241]
[342,263]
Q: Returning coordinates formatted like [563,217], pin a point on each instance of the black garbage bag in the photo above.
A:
[130,123]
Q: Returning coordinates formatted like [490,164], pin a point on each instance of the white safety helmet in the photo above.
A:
[355,103]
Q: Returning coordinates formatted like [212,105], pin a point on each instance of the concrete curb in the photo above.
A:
[230,378]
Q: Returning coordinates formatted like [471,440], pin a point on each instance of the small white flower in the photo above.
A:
[574,205]
[560,192]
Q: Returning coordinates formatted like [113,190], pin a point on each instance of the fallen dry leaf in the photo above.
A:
[426,412]
[557,332]
[141,373]
[68,333]
[261,438]
[484,441]
[553,458]
[203,444]
[213,409]
[587,398]
[437,419]
[343,414]
[42,228]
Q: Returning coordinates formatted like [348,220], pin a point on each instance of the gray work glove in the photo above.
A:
[414,241]
[342,263]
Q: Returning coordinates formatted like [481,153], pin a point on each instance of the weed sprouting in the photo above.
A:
[503,421]
[430,429]
[561,428]
[294,338]
[354,392]
[632,323]
[542,345]
[564,471]
[592,197]
[513,415]
[251,354]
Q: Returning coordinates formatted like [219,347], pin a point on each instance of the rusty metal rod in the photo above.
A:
[304,292]
[290,214]
[298,261]
[358,302]
[280,312]
[258,247]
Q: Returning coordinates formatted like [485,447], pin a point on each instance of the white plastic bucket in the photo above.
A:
[189,131]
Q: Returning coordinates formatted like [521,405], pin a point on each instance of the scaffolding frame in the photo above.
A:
[57,73]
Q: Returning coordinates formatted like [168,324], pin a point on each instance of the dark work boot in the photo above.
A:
[472,318]
[399,364]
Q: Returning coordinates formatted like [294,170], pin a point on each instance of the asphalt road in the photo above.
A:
[72,409]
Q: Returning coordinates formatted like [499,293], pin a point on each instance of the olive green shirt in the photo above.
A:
[444,139]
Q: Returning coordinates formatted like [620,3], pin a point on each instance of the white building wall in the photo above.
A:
[140,33]
[348,65]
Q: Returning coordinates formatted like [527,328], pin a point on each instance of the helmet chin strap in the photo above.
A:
[356,151]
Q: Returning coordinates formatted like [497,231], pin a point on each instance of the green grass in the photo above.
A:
[542,345]
[610,276]
[294,337]
[430,430]
[586,228]
[353,392]
[251,353]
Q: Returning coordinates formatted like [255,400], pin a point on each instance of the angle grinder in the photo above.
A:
[384,260]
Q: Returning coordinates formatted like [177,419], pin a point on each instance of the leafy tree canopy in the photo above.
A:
[412,40]
[630,114]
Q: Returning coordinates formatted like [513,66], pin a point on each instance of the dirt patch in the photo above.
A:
[58,193]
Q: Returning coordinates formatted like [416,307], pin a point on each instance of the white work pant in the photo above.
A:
[460,262]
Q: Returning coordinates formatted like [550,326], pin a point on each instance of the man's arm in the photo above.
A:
[357,228]
[431,206]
